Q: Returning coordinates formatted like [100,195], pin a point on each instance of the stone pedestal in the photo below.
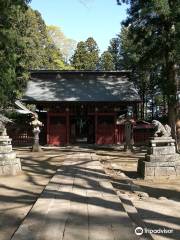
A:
[9,164]
[161,160]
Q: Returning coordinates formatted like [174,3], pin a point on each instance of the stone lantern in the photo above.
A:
[36,124]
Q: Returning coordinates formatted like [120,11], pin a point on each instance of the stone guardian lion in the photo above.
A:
[161,130]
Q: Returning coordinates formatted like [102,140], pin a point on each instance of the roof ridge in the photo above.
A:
[76,71]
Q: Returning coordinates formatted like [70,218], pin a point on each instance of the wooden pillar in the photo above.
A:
[135,111]
[96,123]
[115,142]
[47,137]
[67,125]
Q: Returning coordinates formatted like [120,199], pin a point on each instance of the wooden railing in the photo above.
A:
[21,137]
[141,135]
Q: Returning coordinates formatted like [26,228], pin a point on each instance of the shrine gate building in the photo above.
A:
[81,106]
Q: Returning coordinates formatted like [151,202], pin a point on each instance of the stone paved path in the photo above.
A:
[79,203]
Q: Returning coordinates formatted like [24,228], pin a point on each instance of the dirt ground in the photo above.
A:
[159,209]
[157,203]
[18,193]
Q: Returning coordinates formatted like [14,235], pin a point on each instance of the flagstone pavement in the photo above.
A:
[79,203]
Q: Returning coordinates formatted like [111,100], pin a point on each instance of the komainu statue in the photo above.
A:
[161,130]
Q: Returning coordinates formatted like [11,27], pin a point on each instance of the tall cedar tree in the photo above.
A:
[86,55]
[92,54]
[10,45]
[39,50]
[79,58]
[145,76]
[32,29]
[154,27]
[106,62]
[24,45]
[114,49]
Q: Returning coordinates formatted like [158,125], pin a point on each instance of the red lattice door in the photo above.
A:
[57,130]
[105,130]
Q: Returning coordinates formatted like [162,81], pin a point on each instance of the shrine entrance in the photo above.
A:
[82,107]
[82,127]
[78,129]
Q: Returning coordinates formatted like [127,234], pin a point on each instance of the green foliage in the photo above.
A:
[129,59]
[92,54]
[114,49]
[86,55]
[154,29]
[106,62]
[119,2]
[53,58]
[40,51]
[11,44]
[150,45]
[65,45]
[25,44]
[127,54]
[32,30]
[79,58]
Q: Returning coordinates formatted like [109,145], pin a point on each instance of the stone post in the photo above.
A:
[128,135]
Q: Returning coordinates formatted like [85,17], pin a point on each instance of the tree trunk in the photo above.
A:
[172,101]
[172,118]
[142,106]
[152,108]
[164,105]
[146,108]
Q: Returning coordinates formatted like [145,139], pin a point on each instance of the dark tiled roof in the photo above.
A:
[79,86]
